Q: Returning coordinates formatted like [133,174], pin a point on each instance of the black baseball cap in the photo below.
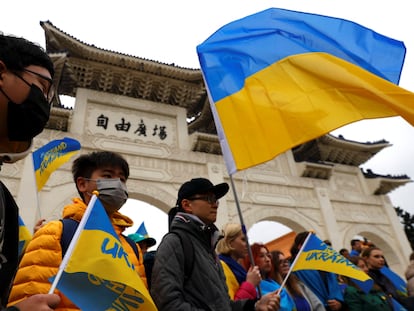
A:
[200,186]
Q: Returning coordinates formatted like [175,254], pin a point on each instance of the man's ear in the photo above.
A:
[186,205]
[81,184]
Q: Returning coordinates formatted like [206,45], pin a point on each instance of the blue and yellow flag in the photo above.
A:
[399,283]
[24,236]
[99,274]
[316,255]
[142,230]
[279,78]
[52,155]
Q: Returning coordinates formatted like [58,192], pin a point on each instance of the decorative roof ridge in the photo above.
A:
[370,174]
[50,25]
[367,143]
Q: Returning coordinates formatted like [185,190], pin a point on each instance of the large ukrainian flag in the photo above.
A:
[52,155]
[279,78]
[99,275]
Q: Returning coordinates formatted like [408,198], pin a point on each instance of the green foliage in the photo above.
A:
[408,221]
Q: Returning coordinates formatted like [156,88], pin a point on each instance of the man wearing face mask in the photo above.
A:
[106,172]
[26,90]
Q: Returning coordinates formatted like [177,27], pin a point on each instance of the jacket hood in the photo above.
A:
[77,209]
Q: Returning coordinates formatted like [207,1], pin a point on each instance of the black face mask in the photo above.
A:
[26,120]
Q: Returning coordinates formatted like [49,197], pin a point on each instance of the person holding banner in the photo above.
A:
[105,172]
[323,284]
[205,287]
[26,90]
[304,298]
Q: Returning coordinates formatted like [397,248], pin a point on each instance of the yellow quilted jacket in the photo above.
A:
[44,255]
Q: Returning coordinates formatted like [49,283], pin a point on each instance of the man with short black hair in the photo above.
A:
[205,287]
[356,245]
[26,90]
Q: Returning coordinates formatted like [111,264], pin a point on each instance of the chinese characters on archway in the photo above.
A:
[137,128]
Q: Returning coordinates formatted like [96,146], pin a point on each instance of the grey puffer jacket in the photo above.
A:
[205,288]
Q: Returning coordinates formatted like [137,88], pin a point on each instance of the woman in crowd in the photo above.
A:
[304,298]
[262,259]
[357,300]
[375,261]
[232,248]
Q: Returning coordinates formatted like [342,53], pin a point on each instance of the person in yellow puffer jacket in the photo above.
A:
[105,172]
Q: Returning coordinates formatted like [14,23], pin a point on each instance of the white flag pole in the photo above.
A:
[37,192]
[294,262]
[73,242]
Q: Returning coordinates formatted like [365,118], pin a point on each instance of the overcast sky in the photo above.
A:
[168,31]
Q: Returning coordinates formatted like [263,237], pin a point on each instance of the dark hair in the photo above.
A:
[343,250]
[18,53]
[86,164]
[366,252]
[356,259]
[353,242]
[292,281]
[412,256]
[299,239]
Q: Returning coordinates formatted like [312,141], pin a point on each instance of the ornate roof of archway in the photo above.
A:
[82,65]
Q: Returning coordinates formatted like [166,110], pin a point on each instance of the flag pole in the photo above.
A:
[37,191]
[73,242]
[243,226]
[294,262]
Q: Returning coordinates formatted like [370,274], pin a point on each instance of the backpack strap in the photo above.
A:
[132,244]
[188,250]
[69,229]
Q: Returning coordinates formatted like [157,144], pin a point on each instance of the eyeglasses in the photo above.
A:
[50,93]
[48,90]
[210,198]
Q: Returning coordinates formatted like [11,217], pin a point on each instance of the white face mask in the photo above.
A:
[113,193]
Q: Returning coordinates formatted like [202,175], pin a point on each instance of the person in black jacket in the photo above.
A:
[203,286]
[26,90]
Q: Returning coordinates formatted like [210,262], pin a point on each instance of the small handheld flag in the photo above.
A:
[52,155]
[24,236]
[96,272]
[316,255]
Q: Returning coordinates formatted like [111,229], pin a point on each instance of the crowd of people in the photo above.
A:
[196,266]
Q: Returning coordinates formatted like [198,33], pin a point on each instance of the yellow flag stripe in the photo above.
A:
[301,98]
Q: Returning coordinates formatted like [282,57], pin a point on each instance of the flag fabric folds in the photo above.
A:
[399,283]
[52,155]
[24,236]
[99,275]
[316,255]
[279,78]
